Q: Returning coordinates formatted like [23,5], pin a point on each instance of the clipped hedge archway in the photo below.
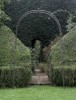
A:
[40,12]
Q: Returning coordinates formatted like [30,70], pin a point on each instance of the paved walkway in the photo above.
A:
[40,78]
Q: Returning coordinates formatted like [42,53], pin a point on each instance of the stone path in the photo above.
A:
[39,78]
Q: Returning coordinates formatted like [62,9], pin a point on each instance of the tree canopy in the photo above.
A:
[38,27]
[3,15]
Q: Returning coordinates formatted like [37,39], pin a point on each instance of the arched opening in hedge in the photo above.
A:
[32,42]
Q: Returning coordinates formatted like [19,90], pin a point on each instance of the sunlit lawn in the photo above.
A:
[38,93]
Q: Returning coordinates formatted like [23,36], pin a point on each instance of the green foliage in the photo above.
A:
[7,47]
[19,75]
[36,26]
[63,54]
[3,16]
[63,17]
[74,19]
[68,50]
[71,23]
[68,74]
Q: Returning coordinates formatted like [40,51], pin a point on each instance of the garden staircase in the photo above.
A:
[39,78]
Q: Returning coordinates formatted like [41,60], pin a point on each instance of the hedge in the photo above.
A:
[18,76]
[62,76]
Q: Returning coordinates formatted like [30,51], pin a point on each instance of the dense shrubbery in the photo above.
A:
[3,15]
[68,48]
[43,28]
[7,45]
[69,59]
[66,74]
[38,29]
[22,76]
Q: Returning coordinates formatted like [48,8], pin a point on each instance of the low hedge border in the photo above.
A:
[20,75]
[58,75]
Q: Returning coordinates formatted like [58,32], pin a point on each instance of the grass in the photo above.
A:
[38,93]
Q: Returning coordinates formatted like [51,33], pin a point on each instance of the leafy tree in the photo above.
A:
[37,26]
[3,16]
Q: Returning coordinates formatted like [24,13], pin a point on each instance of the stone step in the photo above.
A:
[37,71]
[40,79]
